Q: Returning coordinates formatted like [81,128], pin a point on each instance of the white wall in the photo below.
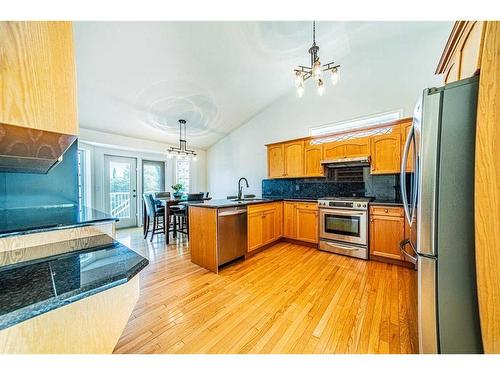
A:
[377,80]
[100,143]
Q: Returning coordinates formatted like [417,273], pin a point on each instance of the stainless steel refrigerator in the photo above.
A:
[438,198]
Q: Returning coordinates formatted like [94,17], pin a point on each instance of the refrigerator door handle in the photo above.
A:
[402,245]
[402,176]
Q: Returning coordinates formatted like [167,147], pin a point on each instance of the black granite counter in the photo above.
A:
[33,288]
[18,221]
[222,203]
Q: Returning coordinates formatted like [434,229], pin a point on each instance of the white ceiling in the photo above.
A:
[138,78]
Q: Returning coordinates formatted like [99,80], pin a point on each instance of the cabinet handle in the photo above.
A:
[386,210]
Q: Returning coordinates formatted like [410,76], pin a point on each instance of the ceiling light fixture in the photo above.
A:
[302,73]
[182,152]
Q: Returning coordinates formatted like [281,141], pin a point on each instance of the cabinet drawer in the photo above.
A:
[307,205]
[386,211]
[252,208]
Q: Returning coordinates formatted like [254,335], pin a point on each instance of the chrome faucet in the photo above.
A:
[240,188]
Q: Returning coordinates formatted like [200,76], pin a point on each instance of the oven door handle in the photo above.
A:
[343,247]
[350,213]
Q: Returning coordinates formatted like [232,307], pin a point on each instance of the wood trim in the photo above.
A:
[487,190]
[203,237]
[384,125]
[397,262]
[314,245]
[250,254]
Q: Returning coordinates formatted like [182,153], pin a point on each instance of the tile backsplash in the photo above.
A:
[382,187]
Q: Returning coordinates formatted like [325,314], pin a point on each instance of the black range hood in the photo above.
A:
[361,161]
[27,150]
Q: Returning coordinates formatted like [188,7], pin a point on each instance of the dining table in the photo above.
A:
[169,202]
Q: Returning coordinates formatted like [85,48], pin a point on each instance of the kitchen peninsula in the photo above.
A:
[66,286]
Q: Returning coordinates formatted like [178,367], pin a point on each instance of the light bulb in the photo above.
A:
[321,87]
[335,76]
[299,79]
[300,90]
[195,158]
[169,155]
[316,71]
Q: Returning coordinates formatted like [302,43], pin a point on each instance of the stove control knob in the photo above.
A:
[359,205]
[364,205]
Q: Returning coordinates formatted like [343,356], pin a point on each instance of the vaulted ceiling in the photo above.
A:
[138,78]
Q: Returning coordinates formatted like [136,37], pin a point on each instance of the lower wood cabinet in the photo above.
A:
[268,222]
[387,230]
[307,222]
[264,224]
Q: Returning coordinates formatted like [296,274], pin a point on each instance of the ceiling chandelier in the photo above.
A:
[182,152]
[303,73]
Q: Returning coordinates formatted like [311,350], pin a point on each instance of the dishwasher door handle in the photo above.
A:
[232,213]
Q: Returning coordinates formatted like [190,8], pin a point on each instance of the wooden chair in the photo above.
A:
[182,215]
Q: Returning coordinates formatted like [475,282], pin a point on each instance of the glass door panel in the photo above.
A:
[121,189]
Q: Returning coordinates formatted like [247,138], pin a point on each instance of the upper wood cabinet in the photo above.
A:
[347,149]
[275,161]
[37,76]
[386,152]
[312,160]
[461,57]
[294,158]
[286,160]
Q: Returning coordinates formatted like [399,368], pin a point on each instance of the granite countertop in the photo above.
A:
[221,203]
[19,221]
[33,288]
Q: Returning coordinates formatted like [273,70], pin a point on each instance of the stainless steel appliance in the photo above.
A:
[231,233]
[361,161]
[343,226]
[438,200]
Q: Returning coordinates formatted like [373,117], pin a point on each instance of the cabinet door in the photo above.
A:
[356,147]
[386,153]
[37,76]
[278,226]
[268,226]
[275,161]
[255,231]
[294,159]
[333,150]
[312,160]
[290,219]
[307,225]
[386,232]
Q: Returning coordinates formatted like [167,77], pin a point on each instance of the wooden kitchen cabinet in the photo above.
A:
[37,75]
[461,57]
[312,160]
[290,219]
[294,159]
[307,222]
[347,149]
[386,152]
[262,225]
[387,230]
[275,161]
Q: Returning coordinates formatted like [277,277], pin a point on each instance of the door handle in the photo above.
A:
[402,175]
[402,245]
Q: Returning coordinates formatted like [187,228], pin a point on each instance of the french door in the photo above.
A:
[120,189]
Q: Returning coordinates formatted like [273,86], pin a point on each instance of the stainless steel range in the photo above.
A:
[343,225]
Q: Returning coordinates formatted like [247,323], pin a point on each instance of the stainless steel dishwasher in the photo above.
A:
[231,233]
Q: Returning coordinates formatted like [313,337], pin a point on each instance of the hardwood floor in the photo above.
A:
[286,299]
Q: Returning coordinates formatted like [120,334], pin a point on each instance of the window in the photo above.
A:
[182,173]
[356,124]
[153,176]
